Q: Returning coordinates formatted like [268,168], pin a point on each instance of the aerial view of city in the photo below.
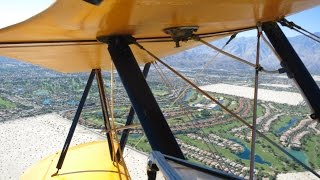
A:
[205,132]
[160,89]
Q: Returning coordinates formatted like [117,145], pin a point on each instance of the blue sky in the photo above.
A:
[24,9]
[308,20]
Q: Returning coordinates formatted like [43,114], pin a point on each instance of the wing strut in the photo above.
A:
[255,105]
[130,116]
[294,66]
[108,128]
[230,112]
[144,103]
[75,122]
[105,113]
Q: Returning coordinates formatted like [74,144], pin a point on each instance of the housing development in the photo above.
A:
[206,133]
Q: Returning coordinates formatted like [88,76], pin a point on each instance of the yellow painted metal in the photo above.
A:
[50,39]
[85,161]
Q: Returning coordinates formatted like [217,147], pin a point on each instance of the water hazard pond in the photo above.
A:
[287,126]
[246,154]
[299,155]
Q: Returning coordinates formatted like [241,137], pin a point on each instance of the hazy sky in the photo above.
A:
[14,11]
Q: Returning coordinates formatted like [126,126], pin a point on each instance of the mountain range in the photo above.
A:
[245,47]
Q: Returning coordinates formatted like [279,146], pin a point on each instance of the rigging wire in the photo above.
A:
[111,105]
[105,104]
[183,92]
[317,40]
[134,147]
[102,88]
[255,104]
[299,29]
[131,126]
[197,75]
[169,84]
[230,112]
[259,67]
[161,73]
[310,33]
[270,46]
[165,79]
[203,133]
[225,53]
[281,70]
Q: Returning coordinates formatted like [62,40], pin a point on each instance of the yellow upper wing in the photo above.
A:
[63,37]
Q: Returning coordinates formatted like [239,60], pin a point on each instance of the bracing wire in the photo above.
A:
[205,66]
[105,103]
[310,33]
[226,53]
[183,92]
[230,112]
[111,105]
[163,76]
[169,84]
[270,47]
[202,137]
[299,29]
[259,67]
[309,36]
[134,147]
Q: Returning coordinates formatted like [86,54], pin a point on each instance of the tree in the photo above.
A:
[205,113]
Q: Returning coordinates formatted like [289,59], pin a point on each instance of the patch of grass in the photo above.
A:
[260,111]
[179,119]
[222,152]
[193,142]
[142,145]
[227,103]
[159,92]
[234,105]
[196,98]
[6,104]
[277,124]
[222,128]
[95,121]
[197,143]
[279,160]
[311,147]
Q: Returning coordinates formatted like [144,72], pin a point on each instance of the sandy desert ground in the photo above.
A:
[27,140]
[297,176]
[263,94]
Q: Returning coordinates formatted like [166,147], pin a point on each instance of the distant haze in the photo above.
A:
[245,47]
